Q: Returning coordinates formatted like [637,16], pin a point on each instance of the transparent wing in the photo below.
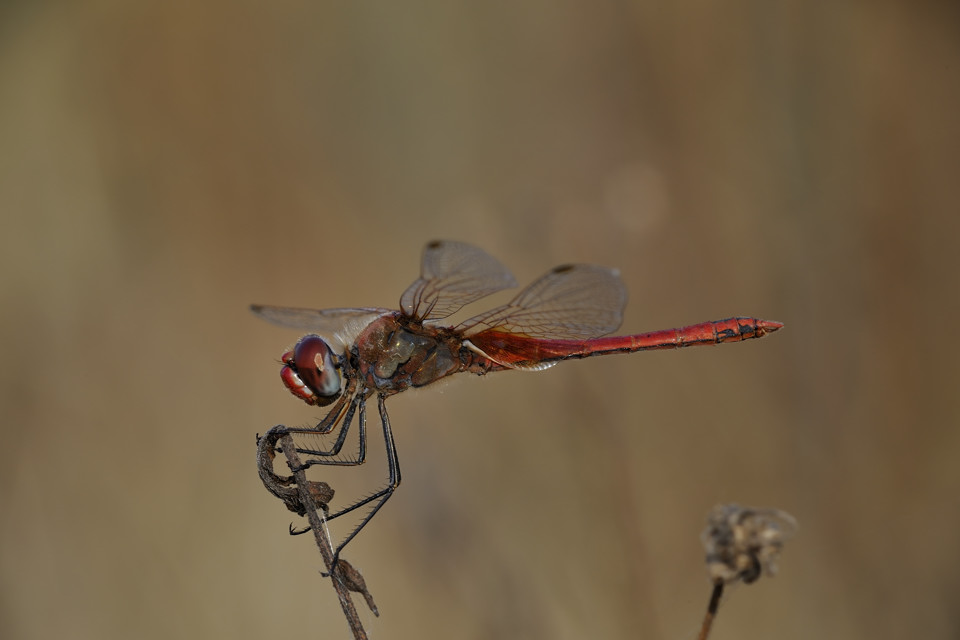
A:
[572,302]
[319,320]
[452,274]
[342,324]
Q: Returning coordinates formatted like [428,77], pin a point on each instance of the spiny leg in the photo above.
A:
[268,441]
[334,415]
[341,413]
[321,456]
[380,496]
[359,401]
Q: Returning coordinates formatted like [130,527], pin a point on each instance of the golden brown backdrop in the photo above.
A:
[163,164]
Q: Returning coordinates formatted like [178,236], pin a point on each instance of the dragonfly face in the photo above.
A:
[310,371]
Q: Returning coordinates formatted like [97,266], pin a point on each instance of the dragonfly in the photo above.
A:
[354,354]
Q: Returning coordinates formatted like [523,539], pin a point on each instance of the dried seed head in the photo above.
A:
[743,543]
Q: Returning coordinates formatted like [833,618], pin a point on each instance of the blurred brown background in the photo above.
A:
[164,164]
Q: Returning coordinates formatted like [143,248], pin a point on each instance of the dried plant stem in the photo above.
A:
[711,610]
[318,526]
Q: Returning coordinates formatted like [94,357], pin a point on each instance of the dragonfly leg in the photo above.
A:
[323,456]
[300,532]
[334,415]
[383,494]
[341,413]
[267,448]
[267,444]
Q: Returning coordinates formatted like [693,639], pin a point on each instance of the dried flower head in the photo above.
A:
[743,543]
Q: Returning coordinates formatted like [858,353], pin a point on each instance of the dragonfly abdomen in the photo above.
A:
[513,350]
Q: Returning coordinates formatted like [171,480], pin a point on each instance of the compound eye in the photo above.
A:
[314,363]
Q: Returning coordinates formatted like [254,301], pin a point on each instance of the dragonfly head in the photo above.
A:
[310,371]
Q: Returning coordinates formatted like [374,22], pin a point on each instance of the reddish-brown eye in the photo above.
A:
[312,364]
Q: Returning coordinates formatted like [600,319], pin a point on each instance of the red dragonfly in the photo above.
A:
[381,352]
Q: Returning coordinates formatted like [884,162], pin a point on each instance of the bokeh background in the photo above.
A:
[164,164]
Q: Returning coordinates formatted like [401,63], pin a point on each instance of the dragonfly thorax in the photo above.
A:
[393,357]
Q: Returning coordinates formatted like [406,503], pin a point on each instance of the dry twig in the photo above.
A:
[310,499]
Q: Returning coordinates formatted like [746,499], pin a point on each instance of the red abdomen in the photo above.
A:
[518,350]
